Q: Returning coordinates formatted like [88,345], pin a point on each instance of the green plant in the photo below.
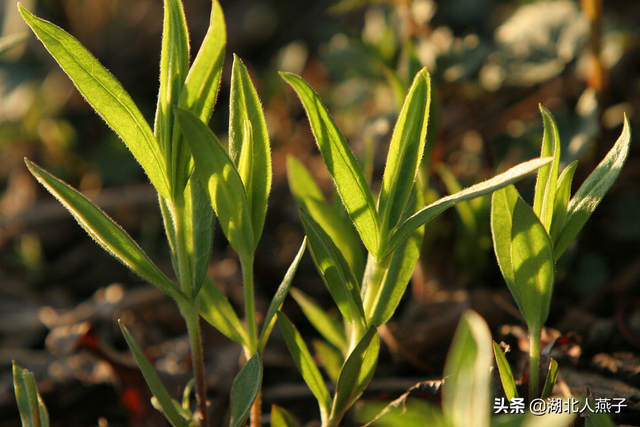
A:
[529,240]
[233,186]
[390,230]
[33,412]
[466,390]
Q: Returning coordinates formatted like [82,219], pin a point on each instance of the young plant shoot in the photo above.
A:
[529,240]
[196,180]
[391,230]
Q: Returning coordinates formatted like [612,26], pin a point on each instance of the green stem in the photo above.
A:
[197,355]
[374,276]
[534,361]
[249,305]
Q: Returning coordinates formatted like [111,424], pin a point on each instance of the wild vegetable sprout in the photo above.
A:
[197,180]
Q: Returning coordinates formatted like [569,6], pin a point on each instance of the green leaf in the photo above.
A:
[402,412]
[342,164]
[214,307]
[249,143]
[329,328]
[106,96]
[278,298]
[330,358]
[245,389]
[356,374]
[152,379]
[280,417]
[506,375]
[405,153]
[33,412]
[309,196]
[105,231]
[466,392]
[336,273]
[563,194]
[486,187]
[189,218]
[503,202]
[552,378]
[174,66]
[202,83]
[533,264]
[306,365]
[546,183]
[221,181]
[403,261]
[594,188]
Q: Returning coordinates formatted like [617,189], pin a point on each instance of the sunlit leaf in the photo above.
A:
[342,164]
[105,231]
[278,298]
[506,375]
[220,180]
[486,187]
[356,374]
[592,191]
[309,196]
[405,153]
[563,194]
[533,264]
[106,96]
[546,183]
[330,358]
[503,202]
[335,271]
[216,309]
[202,83]
[154,382]
[245,389]
[306,365]
[249,143]
[280,417]
[552,378]
[466,392]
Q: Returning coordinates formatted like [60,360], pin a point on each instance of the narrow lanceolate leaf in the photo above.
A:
[214,307]
[106,96]
[486,187]
[329,328]
[403,261]
[105,231]
[552,378]
[342,164]
[337,225]
[563,194]
[503,202]
[466,391]
[221,181]
[533,264]
[594,188]
[245,389]
[335,271]
[201,87]
[305,364]
[356,374]
[405,153]
[249,143]
[504,370]
[153,381]
[278,298]
[33,412]
[546,183]
[280,417]
[174,65]
[330,358]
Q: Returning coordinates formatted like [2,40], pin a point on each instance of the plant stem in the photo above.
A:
[197,355]
[374,276]
[534,361]
[252,330]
